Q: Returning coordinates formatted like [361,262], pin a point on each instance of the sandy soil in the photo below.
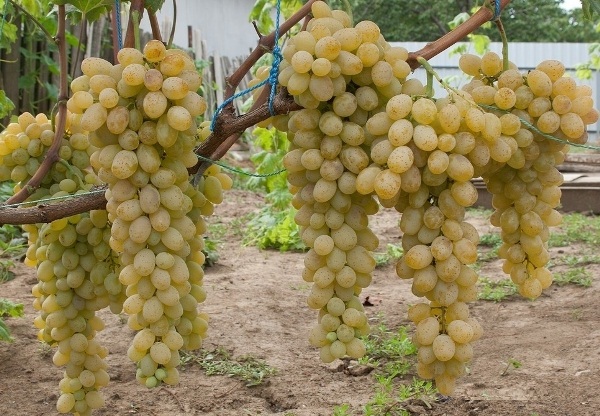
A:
[256,300]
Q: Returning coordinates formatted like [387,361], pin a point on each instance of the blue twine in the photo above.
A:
[273,75]
[277,57]
[119,29]
[496,15]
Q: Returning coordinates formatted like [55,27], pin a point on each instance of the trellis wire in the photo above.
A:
[541,133]
[52,199]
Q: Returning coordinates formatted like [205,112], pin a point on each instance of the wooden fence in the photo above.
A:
[29,71]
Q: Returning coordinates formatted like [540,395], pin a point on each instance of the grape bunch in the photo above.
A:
[368,132]
[73,260]
[76,278]
[526,187]
[25,143]
[141,116]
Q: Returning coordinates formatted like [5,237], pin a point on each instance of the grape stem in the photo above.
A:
[432,49]
[135,18]
[136,5]
[505,62]
[172,34]
[63,94]
[153,25]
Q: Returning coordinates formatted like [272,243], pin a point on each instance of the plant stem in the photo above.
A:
[135,17]
[505,62]
[154,25]
[136,5]
[482,16]
[172,34]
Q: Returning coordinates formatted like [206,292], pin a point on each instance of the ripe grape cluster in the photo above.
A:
[368,132]
[526,184]
[131,126]
[141,116]
[75,266]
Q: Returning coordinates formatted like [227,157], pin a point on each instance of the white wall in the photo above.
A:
[223,24]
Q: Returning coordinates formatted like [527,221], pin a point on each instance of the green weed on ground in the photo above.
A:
[496,291]
[578,276]
[10,309]
[392,254]
[252,371]
[576,228]
[392,354]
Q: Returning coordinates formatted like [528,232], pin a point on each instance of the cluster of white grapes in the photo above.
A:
[23,147]
[76,278]
[368,130]
[75,267]
[526,187]
[141,116]
[329,151]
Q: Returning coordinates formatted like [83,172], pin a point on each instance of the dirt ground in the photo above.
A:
[256,300]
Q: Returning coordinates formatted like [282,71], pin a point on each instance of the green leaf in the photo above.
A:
[458,19]
[27,81]
[4,332]
[92,9]
[8,36]
[590,8]
[6,105]
[154,5]
[481,43]
[7,307]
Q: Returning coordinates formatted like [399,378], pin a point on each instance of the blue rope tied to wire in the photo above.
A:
[273,75]
[118,22]
[496,15]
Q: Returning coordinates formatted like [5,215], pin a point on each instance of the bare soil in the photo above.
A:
[256,300]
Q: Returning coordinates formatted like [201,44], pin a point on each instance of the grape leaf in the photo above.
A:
[154,5]
[6,105]
[92,9]
[8,36]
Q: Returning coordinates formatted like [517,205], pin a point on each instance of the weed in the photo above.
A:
[11,309]
[479,212]
[389,401]
[122,318]
[577,314]
[301,287]
[341,410]
[576,228]
[512,363]
[45,350]
[578,276]
[492,240]
[573,261]
[496,290]
[219,361]
[386,350]
[392,253]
